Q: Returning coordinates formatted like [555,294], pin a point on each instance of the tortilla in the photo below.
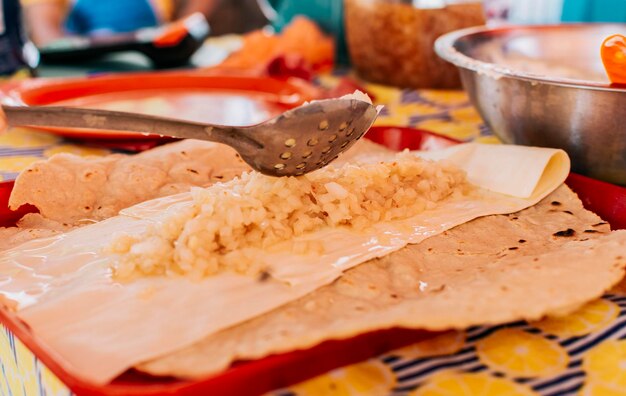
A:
[95,188]
[545,260]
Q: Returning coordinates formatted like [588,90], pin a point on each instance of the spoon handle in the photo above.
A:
[71,117]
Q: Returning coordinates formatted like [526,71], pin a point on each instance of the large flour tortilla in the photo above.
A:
[492,270]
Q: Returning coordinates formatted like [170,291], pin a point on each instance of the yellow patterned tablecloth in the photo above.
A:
[582,354]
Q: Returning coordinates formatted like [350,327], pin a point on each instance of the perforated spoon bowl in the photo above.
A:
[296,142]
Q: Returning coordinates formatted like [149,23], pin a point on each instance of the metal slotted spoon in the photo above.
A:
[296,142]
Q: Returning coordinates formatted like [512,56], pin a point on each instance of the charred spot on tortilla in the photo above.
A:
[565,233]
[192,171]
[522,241]
[438,289]
[555,203]
[600,224]
[591,231]
[264,276]
[513,248]
[568,212]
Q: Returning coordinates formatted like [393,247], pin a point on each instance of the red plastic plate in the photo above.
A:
[186,95]
[277,371]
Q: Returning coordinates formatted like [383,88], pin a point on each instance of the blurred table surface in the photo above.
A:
[400,372]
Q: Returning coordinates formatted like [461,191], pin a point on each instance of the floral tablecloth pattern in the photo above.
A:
[581,354]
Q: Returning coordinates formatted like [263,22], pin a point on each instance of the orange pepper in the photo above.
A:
[613,53]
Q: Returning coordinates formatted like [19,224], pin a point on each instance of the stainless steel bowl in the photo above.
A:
[546,86]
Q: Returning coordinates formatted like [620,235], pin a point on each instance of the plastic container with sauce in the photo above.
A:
[391,41]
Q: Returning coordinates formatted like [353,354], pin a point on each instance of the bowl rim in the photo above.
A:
[445,49]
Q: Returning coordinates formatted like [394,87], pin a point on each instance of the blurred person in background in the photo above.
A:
[50,20]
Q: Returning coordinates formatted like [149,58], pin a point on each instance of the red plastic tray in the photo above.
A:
[272,96]
[260,376]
